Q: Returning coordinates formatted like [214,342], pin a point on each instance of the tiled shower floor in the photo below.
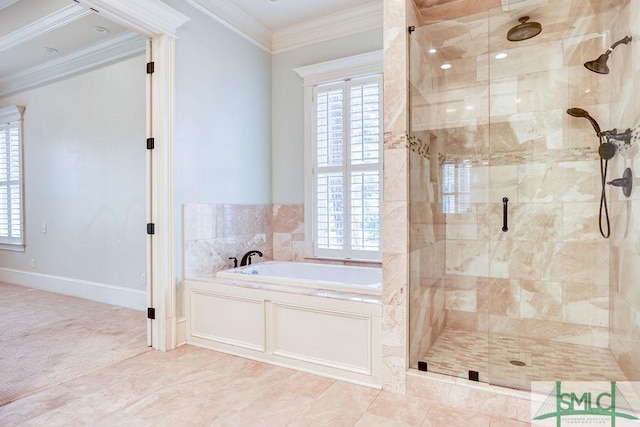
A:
[456,352]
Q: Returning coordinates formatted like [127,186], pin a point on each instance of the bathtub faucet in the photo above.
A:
[246,259]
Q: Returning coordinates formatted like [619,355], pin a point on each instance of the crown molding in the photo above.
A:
[235,19]
[42,26]
[113,49]
[6,3]
[345,23]
[148,17]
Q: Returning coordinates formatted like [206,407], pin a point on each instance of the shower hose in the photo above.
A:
[604,165]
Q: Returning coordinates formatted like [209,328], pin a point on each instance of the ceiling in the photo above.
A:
[280,14]
[44,40]
[37,36]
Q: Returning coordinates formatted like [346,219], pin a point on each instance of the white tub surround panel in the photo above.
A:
[337,338]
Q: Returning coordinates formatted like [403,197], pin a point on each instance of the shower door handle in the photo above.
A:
[505,219]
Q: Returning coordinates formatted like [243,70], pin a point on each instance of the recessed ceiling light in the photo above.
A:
[469,107]
[51,50]
[446,66]
[432,50]
[501,55]
[101,29]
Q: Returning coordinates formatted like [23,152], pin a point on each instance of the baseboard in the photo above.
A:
[131,298]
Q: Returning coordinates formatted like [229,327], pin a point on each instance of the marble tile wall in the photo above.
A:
[214,232]
[397,16]
[625,212]
[288,232]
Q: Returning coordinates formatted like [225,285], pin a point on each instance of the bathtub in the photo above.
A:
[359,280]
[318,318]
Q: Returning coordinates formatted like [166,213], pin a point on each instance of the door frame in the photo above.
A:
[159,22]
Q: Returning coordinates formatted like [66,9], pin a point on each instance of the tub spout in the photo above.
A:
[246,258]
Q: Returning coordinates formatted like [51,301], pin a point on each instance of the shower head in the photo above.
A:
[579,112]
[523,31]
[600,65]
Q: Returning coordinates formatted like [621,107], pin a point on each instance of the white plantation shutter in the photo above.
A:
[11,177]
[456,187]
[347,153]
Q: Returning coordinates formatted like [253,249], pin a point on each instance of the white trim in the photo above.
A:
[161,196]
[339,73]
[236,20]
[341,24]
[94,291]
[6,3]
[349,67]
[148,17]
[344,23]
[107,51]
[11,114]
[42,26]
[159,21]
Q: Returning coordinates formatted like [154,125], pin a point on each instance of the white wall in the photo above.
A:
[84,172]
[222,145]
[288,108]
[222,114]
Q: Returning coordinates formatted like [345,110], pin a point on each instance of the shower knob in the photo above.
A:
[626,182]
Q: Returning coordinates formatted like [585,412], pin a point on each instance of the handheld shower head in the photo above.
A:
[600,65]
[606,149]
[579,112]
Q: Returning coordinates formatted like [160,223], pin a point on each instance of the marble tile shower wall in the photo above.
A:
[548,276]
[625,213]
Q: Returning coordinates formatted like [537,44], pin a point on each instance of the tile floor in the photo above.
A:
[456,352]
[195,387]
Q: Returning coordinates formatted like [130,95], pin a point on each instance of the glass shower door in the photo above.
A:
[548,265]
[449,249]
[509,277]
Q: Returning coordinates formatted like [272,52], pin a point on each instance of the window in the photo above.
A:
[344,159]
[456,187]
[11,218]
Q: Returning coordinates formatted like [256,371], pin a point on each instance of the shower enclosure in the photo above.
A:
[510,279]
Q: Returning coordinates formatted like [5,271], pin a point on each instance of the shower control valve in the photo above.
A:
[623,136]
[626,182]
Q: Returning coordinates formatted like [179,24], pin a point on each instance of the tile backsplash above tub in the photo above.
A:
[214,232]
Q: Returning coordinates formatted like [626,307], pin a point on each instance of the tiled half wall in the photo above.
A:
[215,232]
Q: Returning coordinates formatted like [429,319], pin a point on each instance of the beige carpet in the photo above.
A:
[46,339]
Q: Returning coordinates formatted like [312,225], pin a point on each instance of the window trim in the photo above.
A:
[352,67]
[8,115]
